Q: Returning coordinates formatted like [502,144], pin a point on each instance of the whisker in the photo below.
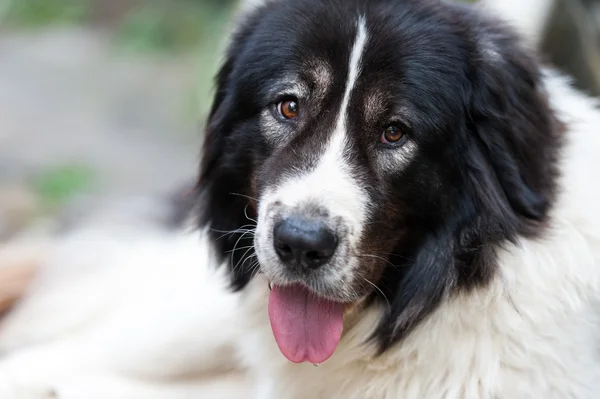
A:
[234,249]
[236,232]
[376,257]
[238,249]
[244,196]
[380,291]
[241,237]
[255,268]
[242,229]
[226,232]
[248,217]
[243,259]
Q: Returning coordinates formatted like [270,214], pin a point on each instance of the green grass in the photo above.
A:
[57,185]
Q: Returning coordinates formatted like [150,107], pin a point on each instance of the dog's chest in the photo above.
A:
[461,352]
[353,372]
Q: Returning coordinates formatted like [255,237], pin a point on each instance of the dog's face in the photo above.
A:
[375,148]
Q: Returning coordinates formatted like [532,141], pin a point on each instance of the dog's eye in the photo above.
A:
[289,109]
[392,134]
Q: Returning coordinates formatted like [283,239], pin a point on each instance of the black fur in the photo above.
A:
[488,142]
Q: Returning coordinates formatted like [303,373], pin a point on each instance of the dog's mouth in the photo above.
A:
[305,252]
[307,327]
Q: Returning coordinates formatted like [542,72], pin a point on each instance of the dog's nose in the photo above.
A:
[305,243]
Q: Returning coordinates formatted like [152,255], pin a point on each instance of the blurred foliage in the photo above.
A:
[193,27]
[57,185]
[36,13]
[142,25]
[172,25]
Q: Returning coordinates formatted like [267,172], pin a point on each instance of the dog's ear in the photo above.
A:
[424,283]
[512,144]
[516,131]
[225,202]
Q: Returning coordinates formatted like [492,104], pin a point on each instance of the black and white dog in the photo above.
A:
[407,200]
[398,193]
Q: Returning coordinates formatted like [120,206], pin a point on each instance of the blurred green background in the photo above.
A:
[155,25]
[137,26]
[101,100]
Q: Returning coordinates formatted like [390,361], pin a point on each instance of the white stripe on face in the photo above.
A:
[331,185]
[353,74]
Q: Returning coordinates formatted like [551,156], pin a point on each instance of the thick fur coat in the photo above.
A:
[456,174]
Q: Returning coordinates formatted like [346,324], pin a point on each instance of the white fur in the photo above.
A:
[124,313]
[395,159]
[249,5]
[354,70]
[528,17]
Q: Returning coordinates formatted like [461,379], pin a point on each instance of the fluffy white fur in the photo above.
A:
[124,312]
[528,17]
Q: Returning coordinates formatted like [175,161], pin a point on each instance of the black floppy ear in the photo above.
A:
[515,128]
[224,187]
[512,144]
[425,283]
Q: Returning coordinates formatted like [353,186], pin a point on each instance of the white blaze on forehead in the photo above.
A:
[335,151]
[332,184]
[353,72]
[334,154]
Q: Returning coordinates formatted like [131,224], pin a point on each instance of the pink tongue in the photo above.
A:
[307,328]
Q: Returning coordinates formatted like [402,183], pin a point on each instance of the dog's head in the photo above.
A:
[362,149]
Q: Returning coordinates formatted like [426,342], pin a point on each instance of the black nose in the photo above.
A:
[306,243]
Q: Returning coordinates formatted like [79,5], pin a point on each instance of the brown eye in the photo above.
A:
[391,135]
[289,109]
